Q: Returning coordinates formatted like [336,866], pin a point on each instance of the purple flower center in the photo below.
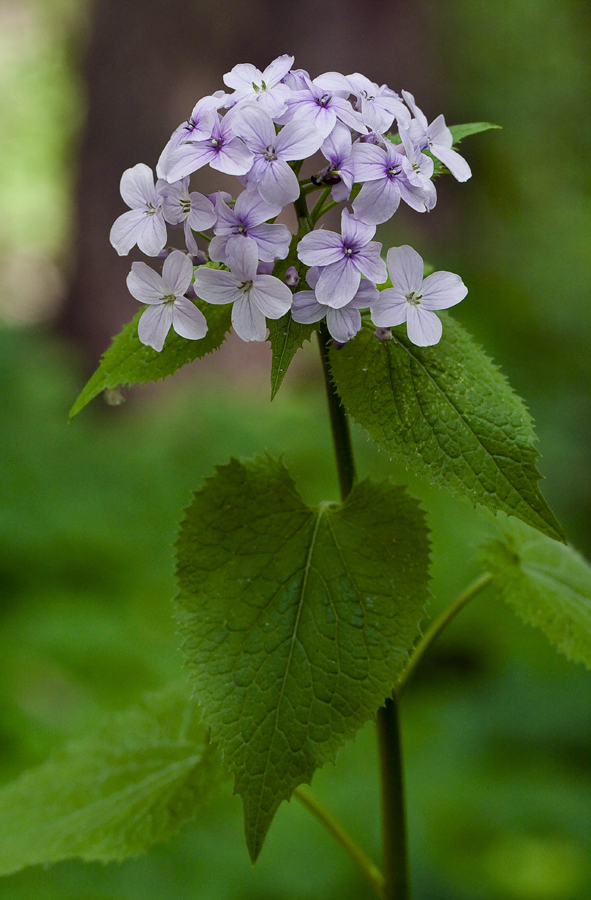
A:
[414,299]
[269,153]
[393,171]
[215,143]
[323,101]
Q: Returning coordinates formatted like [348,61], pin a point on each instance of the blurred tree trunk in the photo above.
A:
[149,61]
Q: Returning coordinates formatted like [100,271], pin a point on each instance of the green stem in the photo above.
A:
[365,865]
[341,435]
[438,625]
[315,214]
[205,237]
[396,883]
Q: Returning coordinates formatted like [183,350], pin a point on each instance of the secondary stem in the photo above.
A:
[366,866]
[393,807]
[393,810]
[341,435]
[438,625]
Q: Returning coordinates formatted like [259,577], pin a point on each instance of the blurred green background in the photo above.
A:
[497,729]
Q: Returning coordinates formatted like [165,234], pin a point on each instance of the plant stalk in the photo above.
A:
[393,809]
[365,865]
[438,626]
[395,856]
[341,434]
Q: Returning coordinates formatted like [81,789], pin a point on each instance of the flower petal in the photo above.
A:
[152,234]
[145,284]
[243,258]
[216,286]
[272,240]
[298,140]
[338,284]
[272,296]
[424,328]
[177,273]
[306,309]
[248,321]
[377,201]
[442,290]
[406,269]
[154,325]
[137,186]
[187,320]
[343,324]
[321,248]
[125,231]
[389,309]
[278,183]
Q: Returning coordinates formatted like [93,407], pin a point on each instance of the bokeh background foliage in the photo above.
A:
[496,726]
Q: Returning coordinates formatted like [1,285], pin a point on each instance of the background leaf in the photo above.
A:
[296,621]
[459,132]
[286,336]
[447,412]
[548,585]
[115,793]
[128,361]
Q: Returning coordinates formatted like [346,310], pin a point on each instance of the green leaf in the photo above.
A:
[128,361]
[115,793]
[459,132]
[296,621]
[447,412]
[286,336]
[547,584]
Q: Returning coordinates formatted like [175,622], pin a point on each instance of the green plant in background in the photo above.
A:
[301,623]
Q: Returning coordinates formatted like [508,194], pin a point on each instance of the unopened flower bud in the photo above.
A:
[199,258]
[383,334]
[292,279]
[265,268]
[164,253]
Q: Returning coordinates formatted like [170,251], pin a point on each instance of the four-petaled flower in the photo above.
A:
[343,323]
[167,305]
[144,223]
[412,298]
[438,139]
[344,258]
[254,296]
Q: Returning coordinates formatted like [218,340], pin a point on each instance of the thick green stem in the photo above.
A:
[316,210]
[438,625]
[396,883]
[341,435]
[365,865]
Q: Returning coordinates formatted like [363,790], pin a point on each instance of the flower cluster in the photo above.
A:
[378,149]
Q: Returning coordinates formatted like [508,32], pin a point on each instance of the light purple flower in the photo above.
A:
[250,84]
[322,107]
[198,127]
[343,323]
[412,298]
[254,296]
[422,168]
[296,79]
[379,106]
[167,305]
[386,174]
[194,211]
[343,258]
[144,224]
[274,179]
[247,219]
[438,138]
[336,148]
[223,151]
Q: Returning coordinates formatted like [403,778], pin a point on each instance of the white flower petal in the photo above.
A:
[338,284]
[442,290]
[306,309]
[187,320]
[272,296]
[177,273]
[424,328]
[278,183]
[456,164]
[243,258]
[137,186]
[389,309]
[145,284]
[125,231]
[321,248]
[298,140]
[343,324]
[152,234]
[154,325]
[406,269]
[377,201]
[248,321]
[216,286]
